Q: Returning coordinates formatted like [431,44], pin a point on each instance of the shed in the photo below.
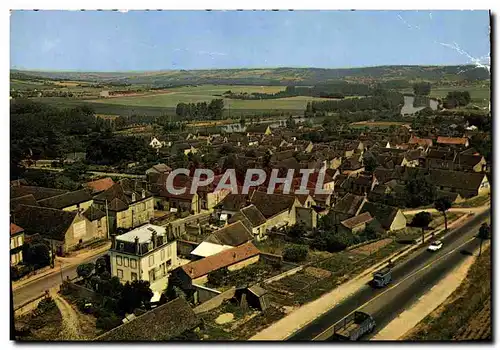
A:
[256,296]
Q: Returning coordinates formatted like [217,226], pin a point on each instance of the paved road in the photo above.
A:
[411,278]
[37,287]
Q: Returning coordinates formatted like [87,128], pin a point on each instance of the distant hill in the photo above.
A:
[401,75]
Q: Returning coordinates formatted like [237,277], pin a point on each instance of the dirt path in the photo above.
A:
[71,323]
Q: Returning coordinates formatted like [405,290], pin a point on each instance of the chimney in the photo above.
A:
[153,239]
[136,242]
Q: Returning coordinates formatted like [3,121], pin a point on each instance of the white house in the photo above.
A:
[144,253]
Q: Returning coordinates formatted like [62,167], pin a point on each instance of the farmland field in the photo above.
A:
[206,93]
[480,94]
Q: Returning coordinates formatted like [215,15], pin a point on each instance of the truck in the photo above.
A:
[353,326]
[382,277]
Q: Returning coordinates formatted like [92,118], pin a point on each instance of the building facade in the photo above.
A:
[144,253]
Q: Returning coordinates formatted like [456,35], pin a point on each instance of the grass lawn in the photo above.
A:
[473,202]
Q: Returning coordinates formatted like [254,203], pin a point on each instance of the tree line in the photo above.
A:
[200,110]
[380,101]
[456,99]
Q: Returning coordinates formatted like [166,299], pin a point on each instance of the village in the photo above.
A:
[219,264]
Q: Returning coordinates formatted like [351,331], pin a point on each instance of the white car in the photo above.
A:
[436,245]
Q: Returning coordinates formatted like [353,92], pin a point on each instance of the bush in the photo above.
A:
[216,278]
[108,323]
[46,304]
[295,252]
[85,270]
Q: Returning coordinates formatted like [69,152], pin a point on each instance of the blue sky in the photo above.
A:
[159,40]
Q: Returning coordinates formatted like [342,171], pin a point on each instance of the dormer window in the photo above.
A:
[133,197]
[143,194]
[122,246]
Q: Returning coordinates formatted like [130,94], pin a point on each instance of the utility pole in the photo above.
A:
[107,220]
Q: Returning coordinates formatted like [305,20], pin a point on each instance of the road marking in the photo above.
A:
[397,284]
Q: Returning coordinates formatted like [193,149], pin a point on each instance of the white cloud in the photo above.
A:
[479,62]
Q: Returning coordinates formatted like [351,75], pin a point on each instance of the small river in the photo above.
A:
[409,108]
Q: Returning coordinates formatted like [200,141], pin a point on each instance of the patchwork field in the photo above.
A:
[206,93]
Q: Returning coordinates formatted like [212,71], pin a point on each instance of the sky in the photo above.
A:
[164,40]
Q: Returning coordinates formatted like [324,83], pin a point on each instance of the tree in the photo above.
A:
[422,220]
[370,163]
[37,254]
[296,232]
[295,252]
[85,270]
[135,295]
[442,205]
[216,278]
[419,191]
[484,234]
[422,89]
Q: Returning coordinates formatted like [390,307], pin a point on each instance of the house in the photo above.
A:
[390,218]
[64,230]
[98,220]
[357,223]
[155,143]
[233,235]
[277,209]
[29,199]
[210,196]
[16,244]
[259,129]
[466,162]
[253,219]
[145,253]
[38,192]
[453,141]
[423,142]
[231,204]
[186,202]
[468,185]
[165,322]
[158,169]
[307,217]
[97,186]
[77,200]
[348,206]
[127,203]
[196,272]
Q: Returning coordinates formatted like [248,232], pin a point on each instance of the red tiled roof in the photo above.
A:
[14,229]
[357,220]
[100,185]
[452,140]
[215,262]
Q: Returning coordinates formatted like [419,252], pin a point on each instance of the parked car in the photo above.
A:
[436,245]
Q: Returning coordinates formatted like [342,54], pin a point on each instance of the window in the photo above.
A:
[19,241]
[133,263]
[133,276]
[169,262]
[151,260]
[125,262]
[119,273]
[119,260]
[163,269]
[122,246]
[99,224]
[162,254]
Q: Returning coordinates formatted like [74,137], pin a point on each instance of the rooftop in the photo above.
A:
[143,233]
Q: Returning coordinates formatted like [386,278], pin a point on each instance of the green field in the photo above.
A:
[480,94]
[206,93]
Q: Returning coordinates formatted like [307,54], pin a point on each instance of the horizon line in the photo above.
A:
[233,68]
